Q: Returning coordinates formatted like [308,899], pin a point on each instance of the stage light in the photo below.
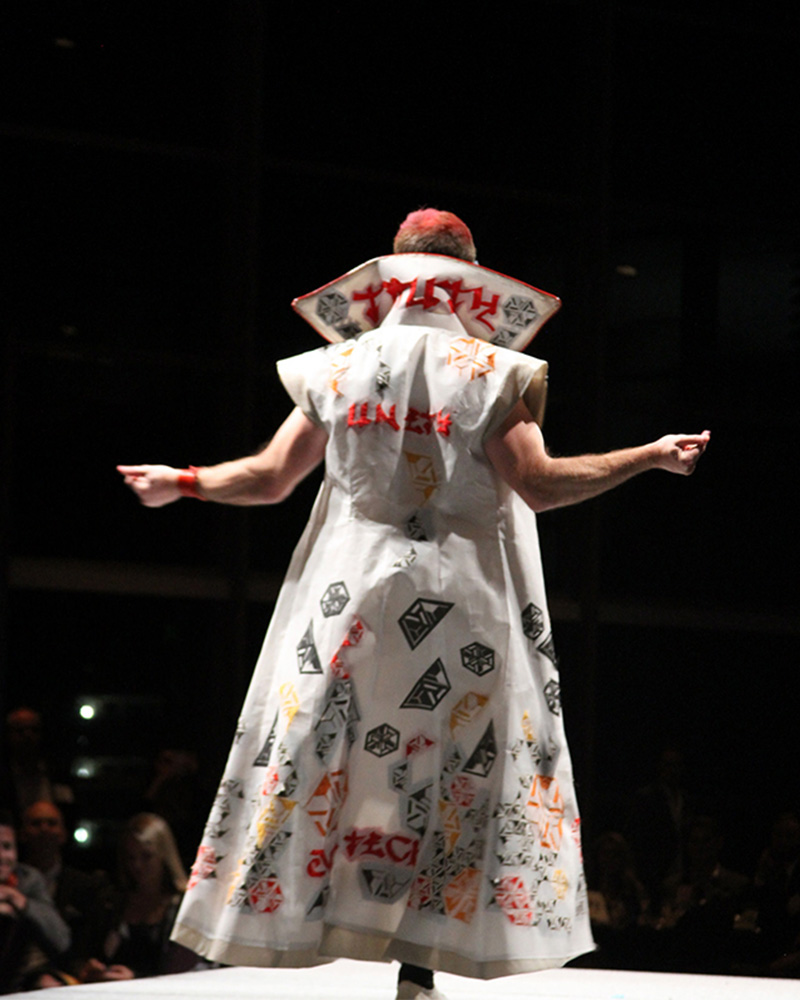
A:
[86,711]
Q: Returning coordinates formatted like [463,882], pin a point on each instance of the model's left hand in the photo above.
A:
[680,453]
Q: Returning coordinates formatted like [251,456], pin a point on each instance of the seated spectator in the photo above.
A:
[657,815]
[700,904]
[32,934]
[777,888]
[617,902]
[83,899]
[152,881]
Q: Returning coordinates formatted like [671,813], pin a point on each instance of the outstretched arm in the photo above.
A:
[518,454]
[267,477]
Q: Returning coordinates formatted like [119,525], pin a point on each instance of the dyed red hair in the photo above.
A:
[430,230]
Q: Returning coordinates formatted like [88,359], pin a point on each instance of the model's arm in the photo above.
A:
[267,477]
[518,454]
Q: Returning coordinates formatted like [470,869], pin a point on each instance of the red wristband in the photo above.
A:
[187,483]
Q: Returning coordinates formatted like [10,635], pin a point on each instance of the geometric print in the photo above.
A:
[382,740]
[477,658]
[545,808]
[514,900]
[484,754]
[216,827]
[263,758]
[532,621]
[520,311]
[340,712]
[307,658]
[260,889]
[548,648]
[333,308]
[418,809]
[471,356]
[334,599]
[384,883]
[467,709]
[326,801]
[429,690]
[421,618]
[552,694]
[423,473]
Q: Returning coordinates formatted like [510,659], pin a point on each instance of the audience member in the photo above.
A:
[33,936]
[82,898]
[700,904]
[777,887]
[617,903]
[152,881]
[654,825]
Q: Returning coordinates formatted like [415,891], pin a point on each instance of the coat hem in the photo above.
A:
[339,942]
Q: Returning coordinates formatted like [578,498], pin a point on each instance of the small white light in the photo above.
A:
[86,711]
[82,835]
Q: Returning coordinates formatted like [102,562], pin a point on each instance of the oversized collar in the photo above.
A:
[488,304]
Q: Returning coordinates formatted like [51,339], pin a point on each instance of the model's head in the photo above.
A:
[430,230]
[148,855]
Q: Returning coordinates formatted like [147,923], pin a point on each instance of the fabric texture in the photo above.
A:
[399,786]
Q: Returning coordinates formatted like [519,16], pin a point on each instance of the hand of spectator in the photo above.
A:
[96,971]
[12,901]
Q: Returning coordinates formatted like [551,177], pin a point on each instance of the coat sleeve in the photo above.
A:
[49,928]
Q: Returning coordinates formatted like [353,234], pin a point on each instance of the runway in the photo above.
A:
[369,981]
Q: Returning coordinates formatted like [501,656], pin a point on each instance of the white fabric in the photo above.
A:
[489,305]
[399,786]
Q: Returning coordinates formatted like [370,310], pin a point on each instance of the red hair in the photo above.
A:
[430,230]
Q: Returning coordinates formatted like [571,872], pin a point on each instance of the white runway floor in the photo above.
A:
[348,980]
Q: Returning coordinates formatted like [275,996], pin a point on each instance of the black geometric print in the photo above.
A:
[421,618]
[384,883]
[552,694]
[307,659]
[484,755]
[398,776]
[533,622]
[418,809]
[429,689]
[548,648]
[263,758]
[382,739]
[477,658]
[415,529]
[318,903]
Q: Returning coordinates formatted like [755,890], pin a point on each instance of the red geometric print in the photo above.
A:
[514,901]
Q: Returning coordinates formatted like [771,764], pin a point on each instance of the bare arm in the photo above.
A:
[267,477]
[518,454]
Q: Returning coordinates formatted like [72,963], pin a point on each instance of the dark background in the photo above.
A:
[175,173]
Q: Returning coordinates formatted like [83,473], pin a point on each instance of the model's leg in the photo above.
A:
[416,983]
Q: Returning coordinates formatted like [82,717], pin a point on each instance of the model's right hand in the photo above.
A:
[154,485]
